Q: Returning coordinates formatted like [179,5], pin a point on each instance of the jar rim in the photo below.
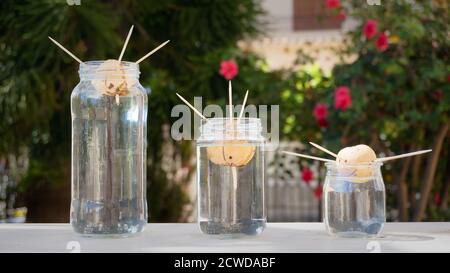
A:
[99,62]
[93,69]
[354,165]
[220,129]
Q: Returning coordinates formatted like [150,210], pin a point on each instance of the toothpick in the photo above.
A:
[126,43]
[243,106]
[383,159]
[230,100]
[192,107]
[308,156]
[65,49]
[153,51]
[323,149]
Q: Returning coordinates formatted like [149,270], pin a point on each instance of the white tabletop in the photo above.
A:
[278,237]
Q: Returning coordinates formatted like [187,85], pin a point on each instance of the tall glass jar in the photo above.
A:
[354,200]
[109,117]
[230,176]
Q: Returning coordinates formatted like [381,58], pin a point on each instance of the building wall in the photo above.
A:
[293,25]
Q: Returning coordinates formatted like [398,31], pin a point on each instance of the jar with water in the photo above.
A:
[109,114]
[354,200]
[230,177]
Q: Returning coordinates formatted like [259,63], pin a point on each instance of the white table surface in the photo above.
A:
[183,238]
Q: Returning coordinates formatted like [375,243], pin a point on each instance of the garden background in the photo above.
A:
[387,86]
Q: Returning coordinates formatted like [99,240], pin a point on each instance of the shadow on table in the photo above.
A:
[404,237]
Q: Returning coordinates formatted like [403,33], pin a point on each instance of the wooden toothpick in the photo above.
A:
[153,51]
[126,43]
[383,159]
[230,101]
[308,156]
[323,149]
[65,50]
[192,107]
[243,105]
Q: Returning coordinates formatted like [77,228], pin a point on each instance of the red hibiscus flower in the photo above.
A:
[342,98]
[320,111]
[370,29]
[307,175]
[382,42]
[438,94]
[437,199]
[323,123]
[342,16]
[318,192]
[228,69]
[333,4]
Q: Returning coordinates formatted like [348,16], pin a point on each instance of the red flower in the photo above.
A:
[370,29]
[323,123]
[341,16]
[342,98]
[448,78]
[318,192]
[333,4]
[320,111]
[228,69]
[438,94]
[382,42]
[307,175]
[437,199]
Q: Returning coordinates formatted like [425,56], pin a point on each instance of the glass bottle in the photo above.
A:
[109,121]
[354,200]
[230,176]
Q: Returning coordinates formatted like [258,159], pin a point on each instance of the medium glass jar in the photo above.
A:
[354,200]
[230,176]
[109,121]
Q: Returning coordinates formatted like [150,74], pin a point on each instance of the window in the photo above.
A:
[313,15]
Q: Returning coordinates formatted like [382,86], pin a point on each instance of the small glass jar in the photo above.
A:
[109,121]
[230,176]
[354,200]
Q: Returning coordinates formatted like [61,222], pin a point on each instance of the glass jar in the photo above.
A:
[109,121]
[354,200]
[230,177]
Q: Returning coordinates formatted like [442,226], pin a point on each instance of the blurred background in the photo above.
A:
[344,72]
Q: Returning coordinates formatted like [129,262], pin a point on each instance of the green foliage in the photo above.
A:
[36,77]
[400,96]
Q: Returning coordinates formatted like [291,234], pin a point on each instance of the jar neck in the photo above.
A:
[110,69]
[226,129]
[364,169]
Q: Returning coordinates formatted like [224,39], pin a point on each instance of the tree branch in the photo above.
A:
[403,190]
[430,172]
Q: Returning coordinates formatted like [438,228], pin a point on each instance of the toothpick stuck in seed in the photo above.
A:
[230,101]
[323,149]
[126,43]
[383,159]
[243,106]
[153,51]
[65,50]
[308,156]
[192,107]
